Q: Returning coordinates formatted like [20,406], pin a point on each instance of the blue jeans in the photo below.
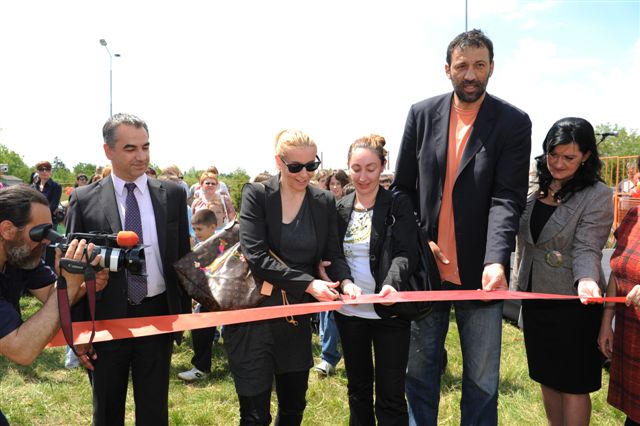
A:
[329,338]
[480,328]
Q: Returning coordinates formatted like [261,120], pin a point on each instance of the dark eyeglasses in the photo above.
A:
[44,231]
[297,167]
[210,184]
[44,169]
[82,178]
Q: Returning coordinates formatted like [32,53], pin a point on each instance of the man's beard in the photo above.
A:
[470,97]
[21,256]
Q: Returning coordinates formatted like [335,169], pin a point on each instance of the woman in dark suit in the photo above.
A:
[286,228]
[362,219]
[562,232]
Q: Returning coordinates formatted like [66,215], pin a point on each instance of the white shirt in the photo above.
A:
[356,253]
[155,276]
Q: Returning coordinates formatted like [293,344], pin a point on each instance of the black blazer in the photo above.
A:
[260,229]
[491,185]
[405,231]
[94,208]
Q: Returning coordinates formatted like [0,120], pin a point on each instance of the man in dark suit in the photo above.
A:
[128,200]
[464,159]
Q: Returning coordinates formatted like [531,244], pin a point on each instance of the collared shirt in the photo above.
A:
[155,276]
[13,282]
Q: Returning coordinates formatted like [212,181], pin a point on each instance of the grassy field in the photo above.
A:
[48,394]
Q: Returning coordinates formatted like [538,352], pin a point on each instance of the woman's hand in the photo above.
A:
[323,291]
[351,290]
[588,288]
[633,297]
[387,289]
[605,337]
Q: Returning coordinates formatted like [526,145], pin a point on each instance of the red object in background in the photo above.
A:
[68,190]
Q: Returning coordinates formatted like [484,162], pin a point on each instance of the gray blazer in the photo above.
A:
[570,245]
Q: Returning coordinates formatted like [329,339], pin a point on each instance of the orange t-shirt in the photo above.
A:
[460,127]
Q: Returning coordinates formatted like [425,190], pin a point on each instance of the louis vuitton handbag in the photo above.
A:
[217,275]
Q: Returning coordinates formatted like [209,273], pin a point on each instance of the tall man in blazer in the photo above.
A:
[464,158]
[110,205]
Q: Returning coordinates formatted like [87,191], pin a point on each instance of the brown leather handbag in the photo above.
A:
[217,275]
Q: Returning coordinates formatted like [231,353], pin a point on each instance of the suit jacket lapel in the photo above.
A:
[561,217]
[440,121]
[107,196]
[320,223]
[159,201]
[273,208]
[480,133]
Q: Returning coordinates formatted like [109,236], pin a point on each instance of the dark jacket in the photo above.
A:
[405,231]
[260,229]
[53,191]
[491,184]
[94,208]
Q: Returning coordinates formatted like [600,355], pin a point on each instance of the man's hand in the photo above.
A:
[437,253]
[86,355]
[79,250]
[494,278]
[588,288]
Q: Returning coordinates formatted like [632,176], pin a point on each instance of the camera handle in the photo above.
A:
[64,309]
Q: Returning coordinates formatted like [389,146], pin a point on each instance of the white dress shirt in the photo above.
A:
[155,276]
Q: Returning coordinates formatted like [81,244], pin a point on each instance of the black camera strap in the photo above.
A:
[64,309]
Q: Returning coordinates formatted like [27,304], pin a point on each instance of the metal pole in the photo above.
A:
[103,42]
[466,13]
[110,85]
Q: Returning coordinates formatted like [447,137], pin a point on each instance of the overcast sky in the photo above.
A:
[216,81]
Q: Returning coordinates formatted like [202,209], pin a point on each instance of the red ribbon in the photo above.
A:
[125,328]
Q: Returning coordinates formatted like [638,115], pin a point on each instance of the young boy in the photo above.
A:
[204,225]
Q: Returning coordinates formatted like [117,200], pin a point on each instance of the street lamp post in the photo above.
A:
[103,42]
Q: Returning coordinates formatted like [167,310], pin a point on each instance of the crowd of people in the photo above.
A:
[316,235]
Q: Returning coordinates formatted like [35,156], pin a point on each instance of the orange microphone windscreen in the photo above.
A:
[127,239]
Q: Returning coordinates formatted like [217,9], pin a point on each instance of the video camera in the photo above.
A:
[119,251]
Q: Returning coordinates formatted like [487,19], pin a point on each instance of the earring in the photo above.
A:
[582,163]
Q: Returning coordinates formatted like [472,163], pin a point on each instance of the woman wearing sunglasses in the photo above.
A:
[209,196]
[48,187]
[286,228]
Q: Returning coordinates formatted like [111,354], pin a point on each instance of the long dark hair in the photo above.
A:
[566,131]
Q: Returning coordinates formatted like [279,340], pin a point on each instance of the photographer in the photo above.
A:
[21,268]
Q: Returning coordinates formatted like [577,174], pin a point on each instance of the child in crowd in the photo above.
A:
[204,225]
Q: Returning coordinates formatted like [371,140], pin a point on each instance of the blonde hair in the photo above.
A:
[172,170]
[208,175]
[288,139]
[373,142]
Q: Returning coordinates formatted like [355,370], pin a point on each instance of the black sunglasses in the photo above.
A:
[44,169]
[297,167]
[44,231]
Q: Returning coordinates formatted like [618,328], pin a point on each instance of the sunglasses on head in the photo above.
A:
[44,169]
[297,167]
[44,232]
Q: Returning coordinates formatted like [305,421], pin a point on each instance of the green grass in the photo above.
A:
[48,394]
